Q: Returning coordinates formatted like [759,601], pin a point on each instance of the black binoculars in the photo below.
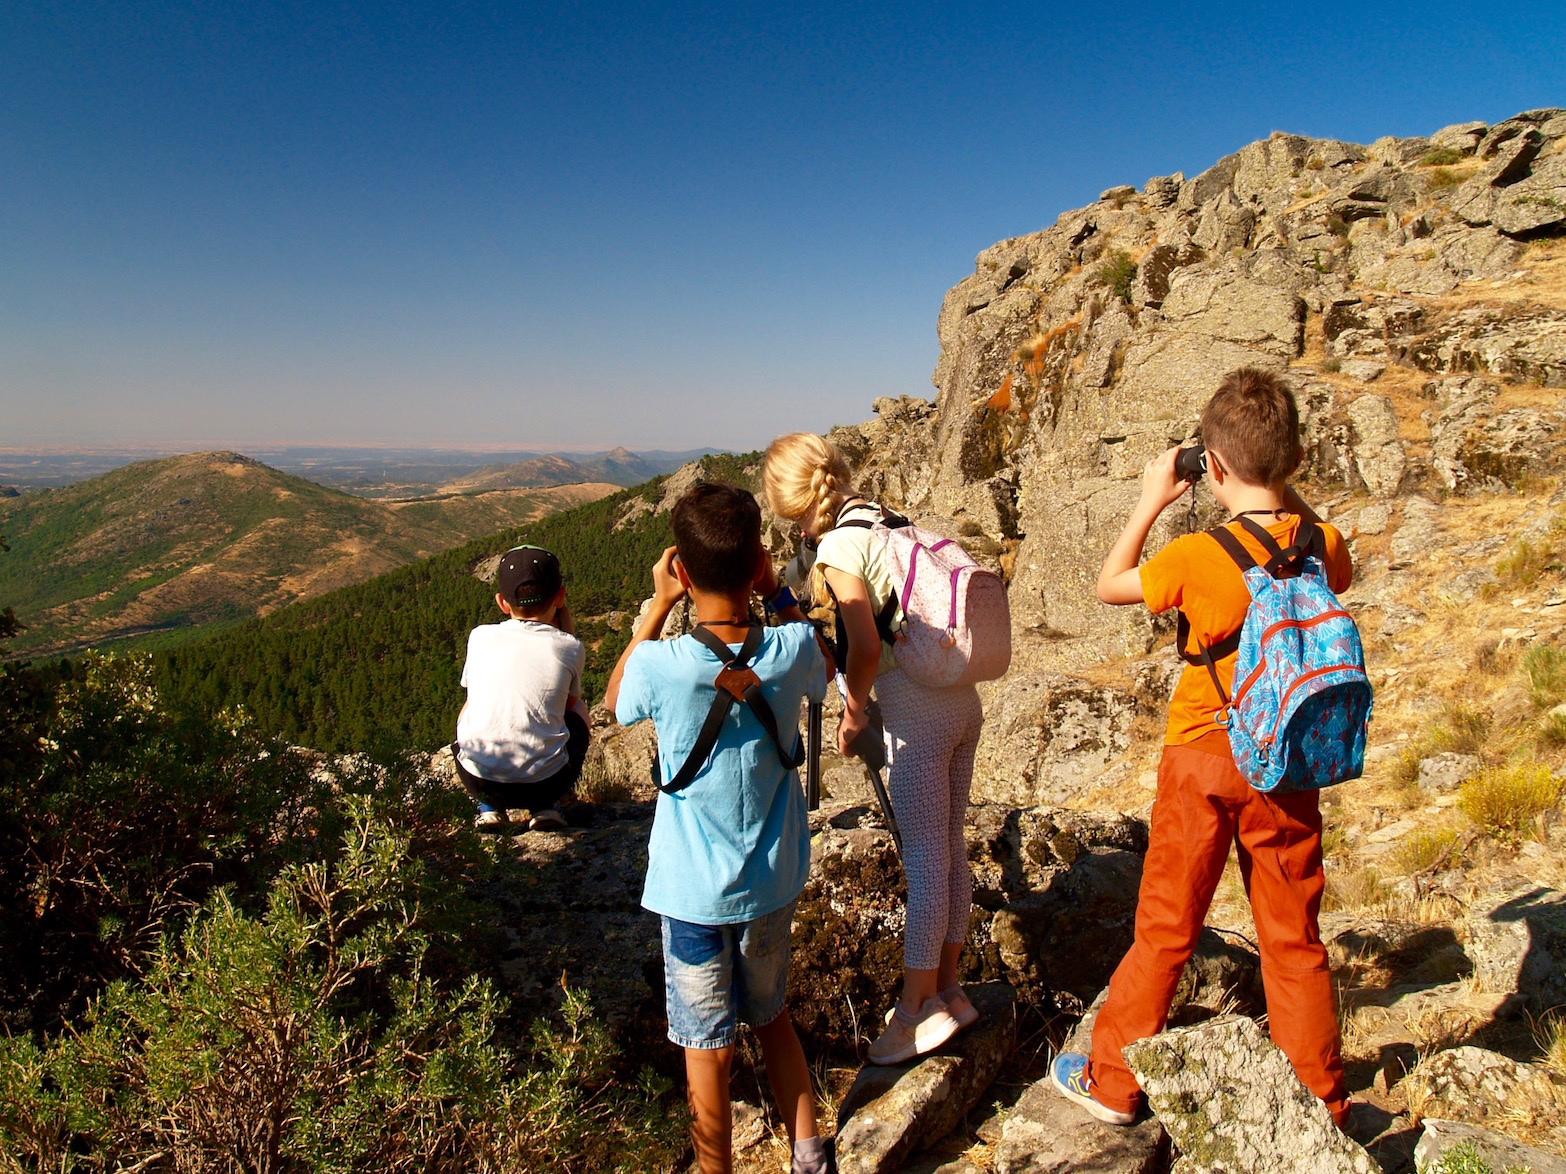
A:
[1191,463]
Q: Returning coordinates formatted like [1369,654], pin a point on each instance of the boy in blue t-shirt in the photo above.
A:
[730,852]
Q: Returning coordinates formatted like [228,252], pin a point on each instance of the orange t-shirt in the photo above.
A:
[1196,575]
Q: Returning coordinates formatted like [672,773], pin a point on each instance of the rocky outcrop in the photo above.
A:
[1059,377]
[1517,941]
[1231,1101]
[1496,1150]
[892,1112]
[1046,1134]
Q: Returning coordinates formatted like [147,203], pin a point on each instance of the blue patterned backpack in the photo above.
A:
[1302,700]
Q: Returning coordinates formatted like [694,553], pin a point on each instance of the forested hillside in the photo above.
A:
[378,664]
[157,548]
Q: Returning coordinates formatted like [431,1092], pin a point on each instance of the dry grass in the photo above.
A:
[598,785]
[1549,1032]
[1545,669]
[1357,886]
[1505,801]
[1427,849]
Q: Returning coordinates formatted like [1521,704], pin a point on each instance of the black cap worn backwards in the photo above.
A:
[528,575]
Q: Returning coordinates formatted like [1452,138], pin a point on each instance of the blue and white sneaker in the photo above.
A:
[1068,1073]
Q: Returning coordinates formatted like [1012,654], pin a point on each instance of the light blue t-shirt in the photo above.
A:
[735,844]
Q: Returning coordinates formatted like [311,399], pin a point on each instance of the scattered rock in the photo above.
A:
[891,1112]
[1373,518]
[1445,772]
[1231,1102]
[1478,1086]
[1363,370]
[1501,1154]
[1046,1134]
[1517,941]
[1378,453]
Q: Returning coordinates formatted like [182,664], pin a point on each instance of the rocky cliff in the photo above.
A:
[1413,291]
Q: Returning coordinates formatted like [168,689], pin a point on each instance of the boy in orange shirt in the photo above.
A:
[1251,431]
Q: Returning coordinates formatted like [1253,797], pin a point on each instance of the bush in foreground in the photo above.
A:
[313,1038]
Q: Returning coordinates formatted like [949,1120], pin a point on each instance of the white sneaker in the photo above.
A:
[907,1036]
[491,823]
[961,1008]
[547,820]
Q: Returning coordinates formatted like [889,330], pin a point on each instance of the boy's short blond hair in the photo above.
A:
[1254,423]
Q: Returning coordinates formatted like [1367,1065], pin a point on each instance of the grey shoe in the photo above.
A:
[491,823]
[547,820]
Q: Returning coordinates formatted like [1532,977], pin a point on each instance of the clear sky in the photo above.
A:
[656,225]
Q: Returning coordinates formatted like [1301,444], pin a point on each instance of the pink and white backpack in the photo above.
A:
[956,622]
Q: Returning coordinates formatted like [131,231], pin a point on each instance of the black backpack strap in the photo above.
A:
[1284,564]
[736,681]
[1208,655]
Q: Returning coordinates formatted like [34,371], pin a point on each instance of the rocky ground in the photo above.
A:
[1414,292]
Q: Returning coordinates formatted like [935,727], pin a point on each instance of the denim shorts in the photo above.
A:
[716,974]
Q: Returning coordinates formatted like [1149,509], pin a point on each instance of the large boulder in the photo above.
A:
[1482,1087]
[1232,1103]
[1046,1134]
[1517,941]
[1048,736]
[1499,1153]
[891,1112]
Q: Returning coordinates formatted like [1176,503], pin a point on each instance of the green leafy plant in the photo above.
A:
[314,1037]
[1117,272]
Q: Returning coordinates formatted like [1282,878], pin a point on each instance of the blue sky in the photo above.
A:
[579,226]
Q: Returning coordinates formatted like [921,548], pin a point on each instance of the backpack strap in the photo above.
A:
[886,617]
[1208,655]
[1280,564]
[736,681]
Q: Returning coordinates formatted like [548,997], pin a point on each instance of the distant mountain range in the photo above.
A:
[159,547]
[376,472]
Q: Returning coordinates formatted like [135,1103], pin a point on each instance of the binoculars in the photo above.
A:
[1191,463]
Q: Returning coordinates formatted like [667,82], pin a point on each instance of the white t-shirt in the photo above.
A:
[519,675]
[858,552]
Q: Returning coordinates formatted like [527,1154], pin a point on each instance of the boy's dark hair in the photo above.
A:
[717,529]
[1254,423]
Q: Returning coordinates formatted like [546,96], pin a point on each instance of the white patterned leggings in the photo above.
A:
[931,738]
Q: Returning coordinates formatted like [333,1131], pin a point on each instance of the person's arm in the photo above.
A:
[667,592]
[1120,579]
[1296,504]
[864,652]
[767,585]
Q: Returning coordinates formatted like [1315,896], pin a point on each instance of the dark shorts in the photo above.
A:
[539,793]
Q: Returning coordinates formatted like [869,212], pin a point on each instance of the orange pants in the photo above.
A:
[1203,805]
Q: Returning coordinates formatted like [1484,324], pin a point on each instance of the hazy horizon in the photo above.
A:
[608,225]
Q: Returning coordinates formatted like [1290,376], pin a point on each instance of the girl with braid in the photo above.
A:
[931,735]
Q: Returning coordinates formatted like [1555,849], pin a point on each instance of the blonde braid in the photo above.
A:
[828,495]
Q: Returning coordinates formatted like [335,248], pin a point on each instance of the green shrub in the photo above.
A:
[1552,731]
[1441,178]
[1462,1158]
[315,1038]
[1504,801]
[1117,272]
[1545,669]
[1441,157]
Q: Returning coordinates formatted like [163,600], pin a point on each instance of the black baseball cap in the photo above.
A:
[528,575]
